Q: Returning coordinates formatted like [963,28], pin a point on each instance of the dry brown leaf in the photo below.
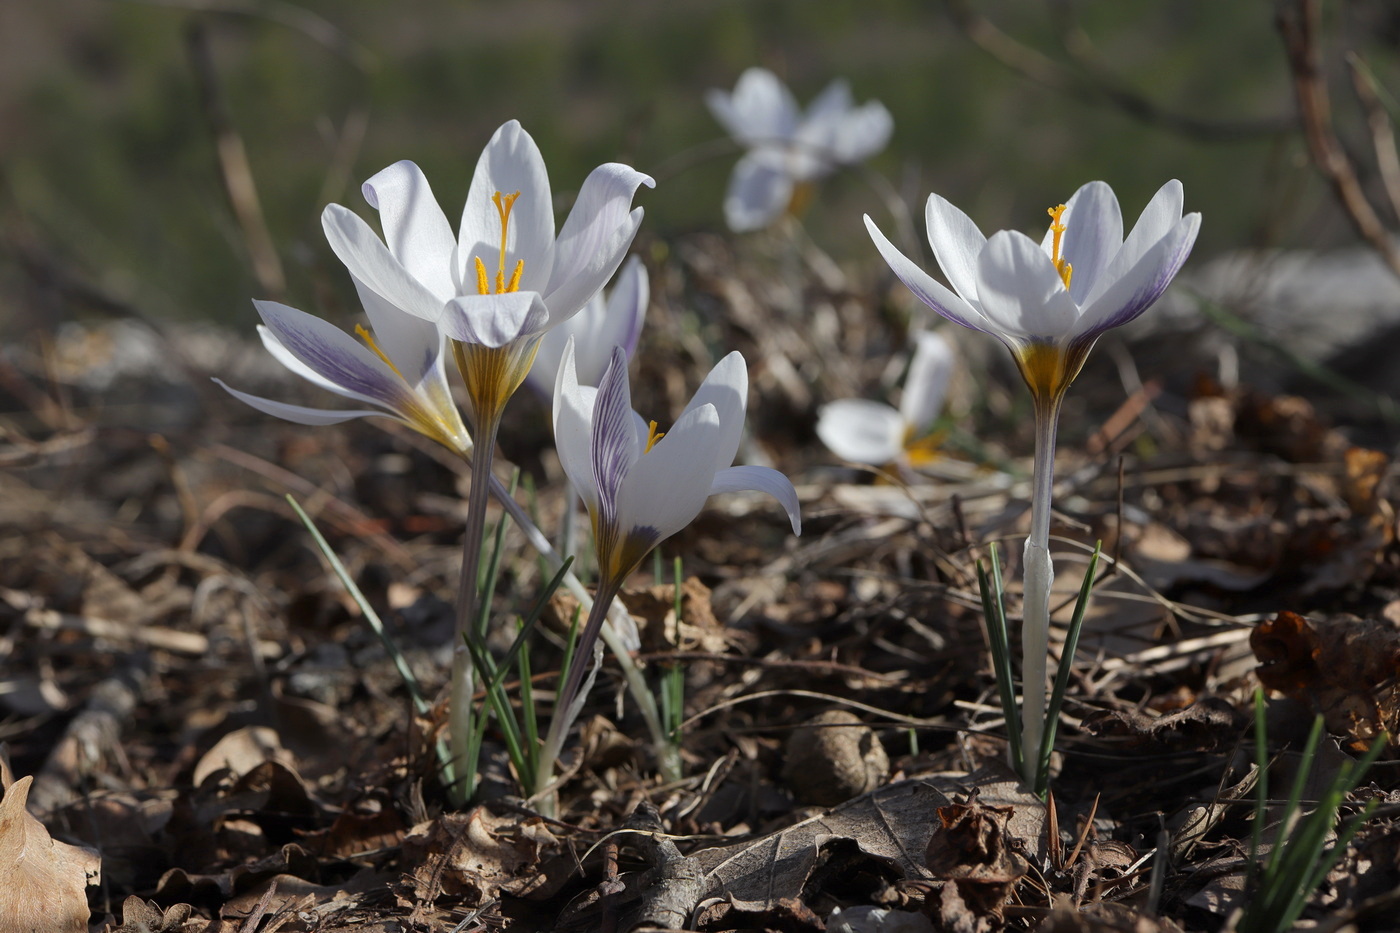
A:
[891,825]
[140,916]
[974,865]
[1205,725]
[241,751]
[1345,666]
[477,855]
[43,882]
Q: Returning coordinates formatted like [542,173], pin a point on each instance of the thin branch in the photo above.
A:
[1382,129]
[1298,23]
[1098,86]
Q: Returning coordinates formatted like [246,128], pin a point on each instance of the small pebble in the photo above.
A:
[832,758]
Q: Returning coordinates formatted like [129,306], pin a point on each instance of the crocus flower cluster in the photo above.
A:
[491,294]
[788,149]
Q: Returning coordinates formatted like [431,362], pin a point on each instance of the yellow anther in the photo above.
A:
[504,203]
[1057,229]
[653,436]
[368,338]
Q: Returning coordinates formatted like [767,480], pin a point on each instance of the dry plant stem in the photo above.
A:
[1299,22]
[463,682]
[1039,575]
[668,757]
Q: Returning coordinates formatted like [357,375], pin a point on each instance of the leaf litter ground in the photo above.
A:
[188,693]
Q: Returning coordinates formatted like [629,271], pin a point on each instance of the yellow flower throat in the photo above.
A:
[503,202]
[1057,229]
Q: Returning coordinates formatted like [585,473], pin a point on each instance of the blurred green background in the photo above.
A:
[111,190]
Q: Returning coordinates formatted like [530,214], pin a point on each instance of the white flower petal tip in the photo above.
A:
[862,431]
[612,319]
[1079,280]
[645,484]
[788,148]
[761,479]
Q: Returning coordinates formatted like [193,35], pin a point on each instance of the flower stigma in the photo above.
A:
[653,436]
[1057,229]
[504,203]
[363,333]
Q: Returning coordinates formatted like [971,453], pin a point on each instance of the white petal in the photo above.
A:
[1022,294]
[834,101]
[573,428]
[761,109]
[627,307]
[1093,234]
[863,133]
[283,356]
[927,383]
[594,238]
[494,320]
[761,479]
[415,228]
[862,431]
[956,243]
[1162,213]
[415,345]
[760,190]
[1136,290]
[346,366]
[726,389]
[510,162]
[298,414]
[667,486]
[370,261]
[924,286]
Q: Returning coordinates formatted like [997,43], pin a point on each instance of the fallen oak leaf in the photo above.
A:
[43,882]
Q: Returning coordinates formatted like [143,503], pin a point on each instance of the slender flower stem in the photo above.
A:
[611,633]
[570,694]
[468,627]
[1039,576]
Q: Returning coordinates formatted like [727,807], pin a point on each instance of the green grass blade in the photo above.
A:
[998,640]
[420,705]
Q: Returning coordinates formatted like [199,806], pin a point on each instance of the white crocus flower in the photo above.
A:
[401,373]
[641,486]
[1048,302]
[864,431]
[611,319]
[505,277]
[789,149]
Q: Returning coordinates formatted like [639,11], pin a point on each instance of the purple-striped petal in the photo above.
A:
[1162,213]
[761,479]
[925,287]
[335,356]
[613,443]
[494,320]
[1136,291]
[595,237]
[415,228]
[415,345]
